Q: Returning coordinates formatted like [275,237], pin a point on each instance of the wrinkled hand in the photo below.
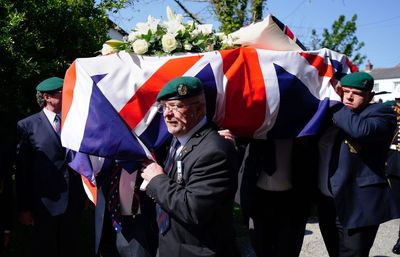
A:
[26,218]
[150,170]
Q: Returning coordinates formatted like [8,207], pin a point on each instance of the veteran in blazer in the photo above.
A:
[50,195]
[356,195]
[195,189]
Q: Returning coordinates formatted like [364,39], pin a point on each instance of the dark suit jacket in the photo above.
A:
[359,186]
[201,206]
[43,182]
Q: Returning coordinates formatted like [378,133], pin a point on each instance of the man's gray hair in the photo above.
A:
[40,99]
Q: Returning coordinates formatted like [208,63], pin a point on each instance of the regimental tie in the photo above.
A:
[163,219]
[57,124]
[113,198]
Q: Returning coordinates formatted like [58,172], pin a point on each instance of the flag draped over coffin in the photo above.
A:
[110,110]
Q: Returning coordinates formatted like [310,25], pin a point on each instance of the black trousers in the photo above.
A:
[138,238]
[58,236]
[339,241]
[279,224]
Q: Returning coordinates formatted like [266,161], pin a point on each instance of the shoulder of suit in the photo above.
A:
[378,108]
[29,119]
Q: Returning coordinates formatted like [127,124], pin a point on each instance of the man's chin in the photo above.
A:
[350,106]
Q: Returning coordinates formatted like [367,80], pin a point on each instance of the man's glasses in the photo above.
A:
[162,107]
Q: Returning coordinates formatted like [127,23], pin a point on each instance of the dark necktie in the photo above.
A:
[113,198]
[162,216]
[57,124]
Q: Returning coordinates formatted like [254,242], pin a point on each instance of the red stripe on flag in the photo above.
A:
[324,70]
[68,91]
[289,33]
[137,107]
[245,91]
[352,67]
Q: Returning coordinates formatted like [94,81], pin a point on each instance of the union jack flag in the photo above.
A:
[110,110]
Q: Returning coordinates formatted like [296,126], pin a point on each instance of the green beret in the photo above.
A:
[181,88]
[358,80]
[50,84]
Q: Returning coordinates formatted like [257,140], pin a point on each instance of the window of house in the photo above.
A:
[396,87]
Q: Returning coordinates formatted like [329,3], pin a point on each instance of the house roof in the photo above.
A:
[386,73]
[117,28]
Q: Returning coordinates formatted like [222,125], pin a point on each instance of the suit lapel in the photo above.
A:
[194,141]
[190,145]
[48,129]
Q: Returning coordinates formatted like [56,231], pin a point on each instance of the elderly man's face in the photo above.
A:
[356,99]
[182,115]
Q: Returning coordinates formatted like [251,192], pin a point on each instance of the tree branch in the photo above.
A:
[191,15]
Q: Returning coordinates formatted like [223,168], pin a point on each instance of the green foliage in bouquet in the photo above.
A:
[156,37]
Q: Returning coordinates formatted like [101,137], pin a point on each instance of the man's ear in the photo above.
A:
[46,96]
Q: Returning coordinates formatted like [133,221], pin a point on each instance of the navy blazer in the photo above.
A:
[359,186]
[43,182]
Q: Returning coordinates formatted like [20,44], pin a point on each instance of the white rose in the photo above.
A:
[140,46]
[169,43]
[107,50]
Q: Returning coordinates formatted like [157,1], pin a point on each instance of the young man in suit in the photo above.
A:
[195,189]
[50,195]
[356,195]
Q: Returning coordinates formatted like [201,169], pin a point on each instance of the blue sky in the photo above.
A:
[378,23]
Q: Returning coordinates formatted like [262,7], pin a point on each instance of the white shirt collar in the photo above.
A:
[50,115]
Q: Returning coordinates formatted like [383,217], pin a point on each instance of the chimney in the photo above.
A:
[369,66]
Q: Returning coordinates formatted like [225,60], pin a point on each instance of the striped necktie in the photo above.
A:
[57,123]
[113,198]
[163,219]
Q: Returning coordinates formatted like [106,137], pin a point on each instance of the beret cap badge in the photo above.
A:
[182,90]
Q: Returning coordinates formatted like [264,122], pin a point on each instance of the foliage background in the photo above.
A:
[40,39]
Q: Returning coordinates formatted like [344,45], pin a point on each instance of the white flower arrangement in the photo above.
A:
[156,37]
